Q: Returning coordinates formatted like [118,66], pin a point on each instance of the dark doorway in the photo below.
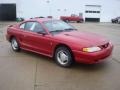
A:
[92,19]
[7,12]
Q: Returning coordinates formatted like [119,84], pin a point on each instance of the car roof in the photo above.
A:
[40,19]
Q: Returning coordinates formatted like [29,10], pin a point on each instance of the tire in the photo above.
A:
[116,21]
[67,21]
[78,21]
[119,21]
[63,57]
[15,45]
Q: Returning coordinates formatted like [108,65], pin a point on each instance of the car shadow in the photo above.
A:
[76,66]
[89,67]
[39,56]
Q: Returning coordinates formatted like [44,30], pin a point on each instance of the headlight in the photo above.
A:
[91,49]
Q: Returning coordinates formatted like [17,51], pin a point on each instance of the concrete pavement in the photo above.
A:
[29,71]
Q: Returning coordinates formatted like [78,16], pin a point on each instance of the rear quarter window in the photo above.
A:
[22,26]
[30,26]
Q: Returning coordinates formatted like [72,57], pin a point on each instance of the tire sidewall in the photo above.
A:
[70,62]
[18,48]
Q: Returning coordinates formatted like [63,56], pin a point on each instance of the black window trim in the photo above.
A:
[90,11]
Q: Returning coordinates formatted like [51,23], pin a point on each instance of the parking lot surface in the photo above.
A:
[29,71]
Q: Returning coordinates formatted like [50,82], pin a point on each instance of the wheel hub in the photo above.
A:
[14,44]
[62,57]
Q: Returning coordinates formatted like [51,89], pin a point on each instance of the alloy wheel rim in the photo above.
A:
[62,57]
[14,44]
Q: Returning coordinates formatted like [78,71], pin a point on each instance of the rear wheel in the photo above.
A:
[116,21]
[78,21]
[67,21]
[112,21]
[119,21]
[63,57]
[15,45]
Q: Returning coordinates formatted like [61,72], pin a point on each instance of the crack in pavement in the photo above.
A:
[35,78]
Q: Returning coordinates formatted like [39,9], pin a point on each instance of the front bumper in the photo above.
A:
[94,57]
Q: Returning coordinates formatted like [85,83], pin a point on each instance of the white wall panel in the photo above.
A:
[56,8]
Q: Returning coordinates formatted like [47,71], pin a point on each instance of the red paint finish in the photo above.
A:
[95,57]
[72,18]
[75,40]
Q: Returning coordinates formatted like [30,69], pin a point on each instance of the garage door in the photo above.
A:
[7,12]
[92,13]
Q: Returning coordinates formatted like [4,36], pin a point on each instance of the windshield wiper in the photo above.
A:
[69,29]
[56,31]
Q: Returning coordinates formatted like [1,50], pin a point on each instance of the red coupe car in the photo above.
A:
[59,40]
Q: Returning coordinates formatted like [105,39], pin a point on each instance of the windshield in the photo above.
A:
[58,26]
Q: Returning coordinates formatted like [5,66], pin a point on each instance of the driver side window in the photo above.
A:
[38,28]
[29,26]
[32,26]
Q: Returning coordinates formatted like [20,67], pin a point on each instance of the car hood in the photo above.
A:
[84,39]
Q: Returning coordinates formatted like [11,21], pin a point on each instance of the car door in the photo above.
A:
[25,33]
[36,39]
[41,39]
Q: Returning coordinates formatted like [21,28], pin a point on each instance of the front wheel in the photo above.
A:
[63,57]
[15,45]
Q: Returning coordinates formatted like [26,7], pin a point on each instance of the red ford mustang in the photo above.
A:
[57,39]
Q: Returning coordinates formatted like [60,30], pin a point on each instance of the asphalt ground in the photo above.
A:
[29,71]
